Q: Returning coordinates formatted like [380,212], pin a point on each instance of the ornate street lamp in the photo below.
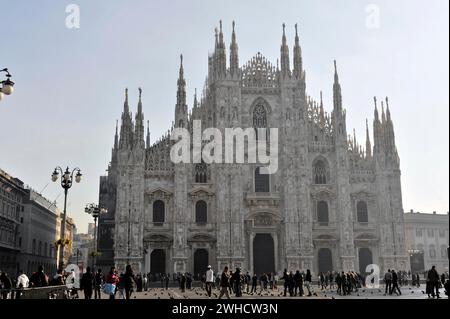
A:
[7,86]
[95,211]
[67,178]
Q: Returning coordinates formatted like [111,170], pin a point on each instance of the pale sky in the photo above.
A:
[70,82]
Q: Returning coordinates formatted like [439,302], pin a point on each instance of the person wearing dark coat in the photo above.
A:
[298,282]
[129,281]
[286,281]
[237,282]
[87,283]
[395,287]
[433,278]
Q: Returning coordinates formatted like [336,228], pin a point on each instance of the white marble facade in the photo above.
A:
[331,204]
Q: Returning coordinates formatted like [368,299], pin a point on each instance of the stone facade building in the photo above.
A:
[11,208]
[332,204]
[38,230]
[427,240]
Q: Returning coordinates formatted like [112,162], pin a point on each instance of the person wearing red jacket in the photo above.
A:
[112,278]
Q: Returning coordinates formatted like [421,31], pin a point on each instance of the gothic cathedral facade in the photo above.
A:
[331,205]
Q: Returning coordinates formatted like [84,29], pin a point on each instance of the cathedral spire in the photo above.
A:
[284,54]
[337,95]
[298,63]
[388,112]
[377,118]
[234,56]
[126,128]
[116,136]
[148,135]
[139,120]
[181,106]
[321,111]
[220,63]
[368,145]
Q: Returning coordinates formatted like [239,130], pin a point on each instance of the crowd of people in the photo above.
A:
[228,283]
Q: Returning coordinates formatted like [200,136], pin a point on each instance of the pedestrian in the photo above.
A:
[209,281]
[254,283]
[286,283]
[183,283]
[39,278]
[298,283]
[224,283]
[395,287]
[388,282]
[433,278]
[130,281]
[87,283]
[112,280]
[7,285]
[98,281]
[145,282]
[237,282]
[308,279]
[291,284]
[167,281]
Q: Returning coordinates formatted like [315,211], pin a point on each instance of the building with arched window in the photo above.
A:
[330,204]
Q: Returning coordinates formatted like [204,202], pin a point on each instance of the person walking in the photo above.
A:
[98,283]
[433,278]
[209,281]
[254,283]
[87,283]
[388,282]
[224,283]
[237,282]
[308,279]
[112,281]
[130,281]
[286,281]
[395,287]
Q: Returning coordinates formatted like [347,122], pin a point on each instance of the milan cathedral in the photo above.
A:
[333,204]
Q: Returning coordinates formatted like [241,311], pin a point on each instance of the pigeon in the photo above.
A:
[332,297]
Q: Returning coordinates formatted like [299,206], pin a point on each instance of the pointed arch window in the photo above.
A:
[158,213]
[320,173]
[260,118]
[201,173]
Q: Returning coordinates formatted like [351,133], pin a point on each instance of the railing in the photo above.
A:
[325,225]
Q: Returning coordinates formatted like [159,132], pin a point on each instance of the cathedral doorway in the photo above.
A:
[201,260]
[158,261]
[325,260]
[263,254]
[365,258]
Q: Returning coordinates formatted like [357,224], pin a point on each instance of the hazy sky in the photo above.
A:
[70,82]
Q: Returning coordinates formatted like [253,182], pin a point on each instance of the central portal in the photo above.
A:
[263,254]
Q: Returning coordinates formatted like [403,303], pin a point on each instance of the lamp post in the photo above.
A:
[7,87]
[67,178]
[95,211]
